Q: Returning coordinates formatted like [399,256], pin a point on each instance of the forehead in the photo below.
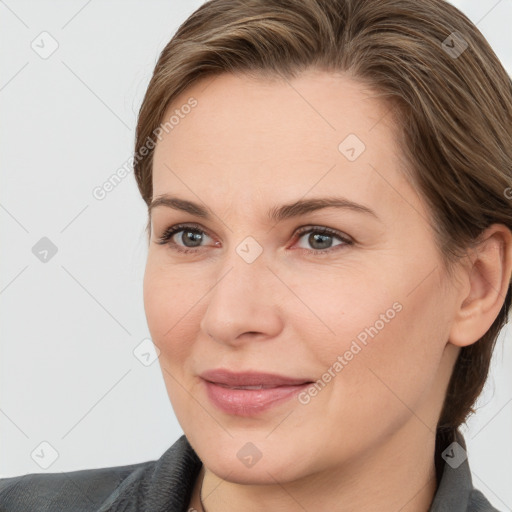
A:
[247,137]
[272,118]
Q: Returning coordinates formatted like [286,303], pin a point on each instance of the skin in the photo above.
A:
[366,441]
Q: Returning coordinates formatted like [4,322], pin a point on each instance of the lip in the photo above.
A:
[273,389]
[251,378]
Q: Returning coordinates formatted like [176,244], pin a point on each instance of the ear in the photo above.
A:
[486,281]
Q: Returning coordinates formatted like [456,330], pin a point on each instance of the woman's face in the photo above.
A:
[363,309]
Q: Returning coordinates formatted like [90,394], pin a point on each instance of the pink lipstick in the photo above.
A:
[250,393]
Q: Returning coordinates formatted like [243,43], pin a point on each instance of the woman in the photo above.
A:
[329,265]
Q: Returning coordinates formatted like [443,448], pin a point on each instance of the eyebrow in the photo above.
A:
[276,213]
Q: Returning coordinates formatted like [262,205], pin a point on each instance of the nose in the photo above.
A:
[244,303]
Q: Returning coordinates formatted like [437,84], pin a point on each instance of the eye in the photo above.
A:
[189,236]
[320,238]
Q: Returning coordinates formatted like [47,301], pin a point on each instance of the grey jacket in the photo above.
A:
[165,485]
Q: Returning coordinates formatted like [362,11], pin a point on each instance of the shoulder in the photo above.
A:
[456,492]
[156,485]
[479,503]
[80,491]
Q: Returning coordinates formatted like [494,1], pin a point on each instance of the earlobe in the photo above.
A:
[488,278]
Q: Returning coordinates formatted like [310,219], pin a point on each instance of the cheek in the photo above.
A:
[395,373]
[342,308]
[386,348]
[170,306]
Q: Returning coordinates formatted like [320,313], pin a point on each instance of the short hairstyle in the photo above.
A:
[449,95]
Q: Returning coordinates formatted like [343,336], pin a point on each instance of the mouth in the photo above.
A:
[251,379]
[243,387]
[250,393]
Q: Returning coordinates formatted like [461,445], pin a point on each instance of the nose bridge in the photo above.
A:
[241,298]
[243,268]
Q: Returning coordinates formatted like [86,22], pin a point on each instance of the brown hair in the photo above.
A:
[451,97]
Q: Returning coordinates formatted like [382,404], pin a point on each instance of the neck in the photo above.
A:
[399,475]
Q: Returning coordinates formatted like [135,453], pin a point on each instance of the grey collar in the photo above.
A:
[455,492]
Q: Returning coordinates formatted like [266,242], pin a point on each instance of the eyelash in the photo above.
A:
[194,228]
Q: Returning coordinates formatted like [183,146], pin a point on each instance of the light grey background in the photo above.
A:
[69,376]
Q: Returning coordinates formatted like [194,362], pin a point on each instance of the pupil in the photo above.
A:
[315,237]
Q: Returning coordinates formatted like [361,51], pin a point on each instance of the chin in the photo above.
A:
[247,458]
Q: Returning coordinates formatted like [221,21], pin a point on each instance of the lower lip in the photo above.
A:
[249,402]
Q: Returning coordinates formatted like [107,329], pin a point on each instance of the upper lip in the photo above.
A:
[251,378]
